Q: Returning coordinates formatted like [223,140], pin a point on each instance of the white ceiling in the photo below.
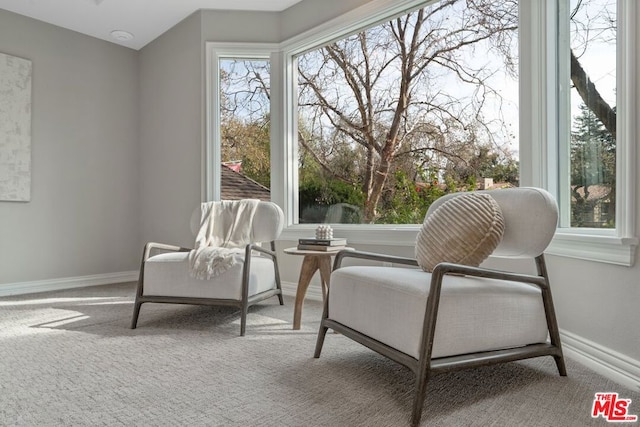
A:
[145,19]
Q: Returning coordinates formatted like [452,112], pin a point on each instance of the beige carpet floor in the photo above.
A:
[68,358]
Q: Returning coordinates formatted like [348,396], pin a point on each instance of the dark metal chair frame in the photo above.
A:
[426,366]
[243,304]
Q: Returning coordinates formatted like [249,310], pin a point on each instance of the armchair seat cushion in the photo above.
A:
[168,275]
[475,314]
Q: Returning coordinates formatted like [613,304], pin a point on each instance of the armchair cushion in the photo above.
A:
[168,275]
[463,230]
[476,314]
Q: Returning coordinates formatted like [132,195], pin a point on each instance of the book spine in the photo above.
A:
[314,242]
[322,242]
[322,248]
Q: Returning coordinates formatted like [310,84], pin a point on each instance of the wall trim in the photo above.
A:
[314,293]
[20,288]
[609,363]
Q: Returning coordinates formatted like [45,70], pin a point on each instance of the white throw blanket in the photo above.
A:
[225,230]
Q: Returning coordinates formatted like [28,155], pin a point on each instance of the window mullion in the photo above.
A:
[627,93]
[560,101]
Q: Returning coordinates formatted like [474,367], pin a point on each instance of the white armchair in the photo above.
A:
[165,277]
[457,316]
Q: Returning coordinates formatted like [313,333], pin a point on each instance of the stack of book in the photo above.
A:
[324,245]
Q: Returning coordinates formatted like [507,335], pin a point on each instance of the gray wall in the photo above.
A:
[171,132]
[308,14]
[172,122]
[598,302]
[240,26]
[82,217]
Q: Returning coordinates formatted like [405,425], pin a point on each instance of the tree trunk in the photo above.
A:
[373,197]
[591,97]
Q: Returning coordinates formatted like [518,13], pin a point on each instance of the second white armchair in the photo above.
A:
[166,276]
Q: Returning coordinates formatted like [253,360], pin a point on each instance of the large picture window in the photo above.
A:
[394,116]
[377,113]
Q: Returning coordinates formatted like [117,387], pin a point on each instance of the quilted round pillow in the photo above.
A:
[463,230]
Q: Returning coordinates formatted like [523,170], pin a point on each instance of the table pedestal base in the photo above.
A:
[310,265]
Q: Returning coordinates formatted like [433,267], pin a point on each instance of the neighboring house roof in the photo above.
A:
[479,186]
[499,185]
[596,192]
[488,184]
[236,186]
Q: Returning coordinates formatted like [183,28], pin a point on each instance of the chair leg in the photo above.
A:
[277,273]
[139,288]
[550,314]
[418,400]
[136,313]
[244,305]
[323,329]
[320,341]
[562,369]
[554,332]
[243,318]
[428,332]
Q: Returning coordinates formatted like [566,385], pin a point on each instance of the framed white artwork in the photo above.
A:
[15,129]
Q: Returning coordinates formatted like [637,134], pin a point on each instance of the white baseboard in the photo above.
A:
[611,364]
[20,288]
[314,293]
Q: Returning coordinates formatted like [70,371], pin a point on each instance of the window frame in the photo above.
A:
[544,161]
[211,153]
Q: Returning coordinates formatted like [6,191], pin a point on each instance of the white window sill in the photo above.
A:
[362,234]
[607,249]
[596,248]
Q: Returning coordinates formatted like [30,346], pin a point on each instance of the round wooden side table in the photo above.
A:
[312,262]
